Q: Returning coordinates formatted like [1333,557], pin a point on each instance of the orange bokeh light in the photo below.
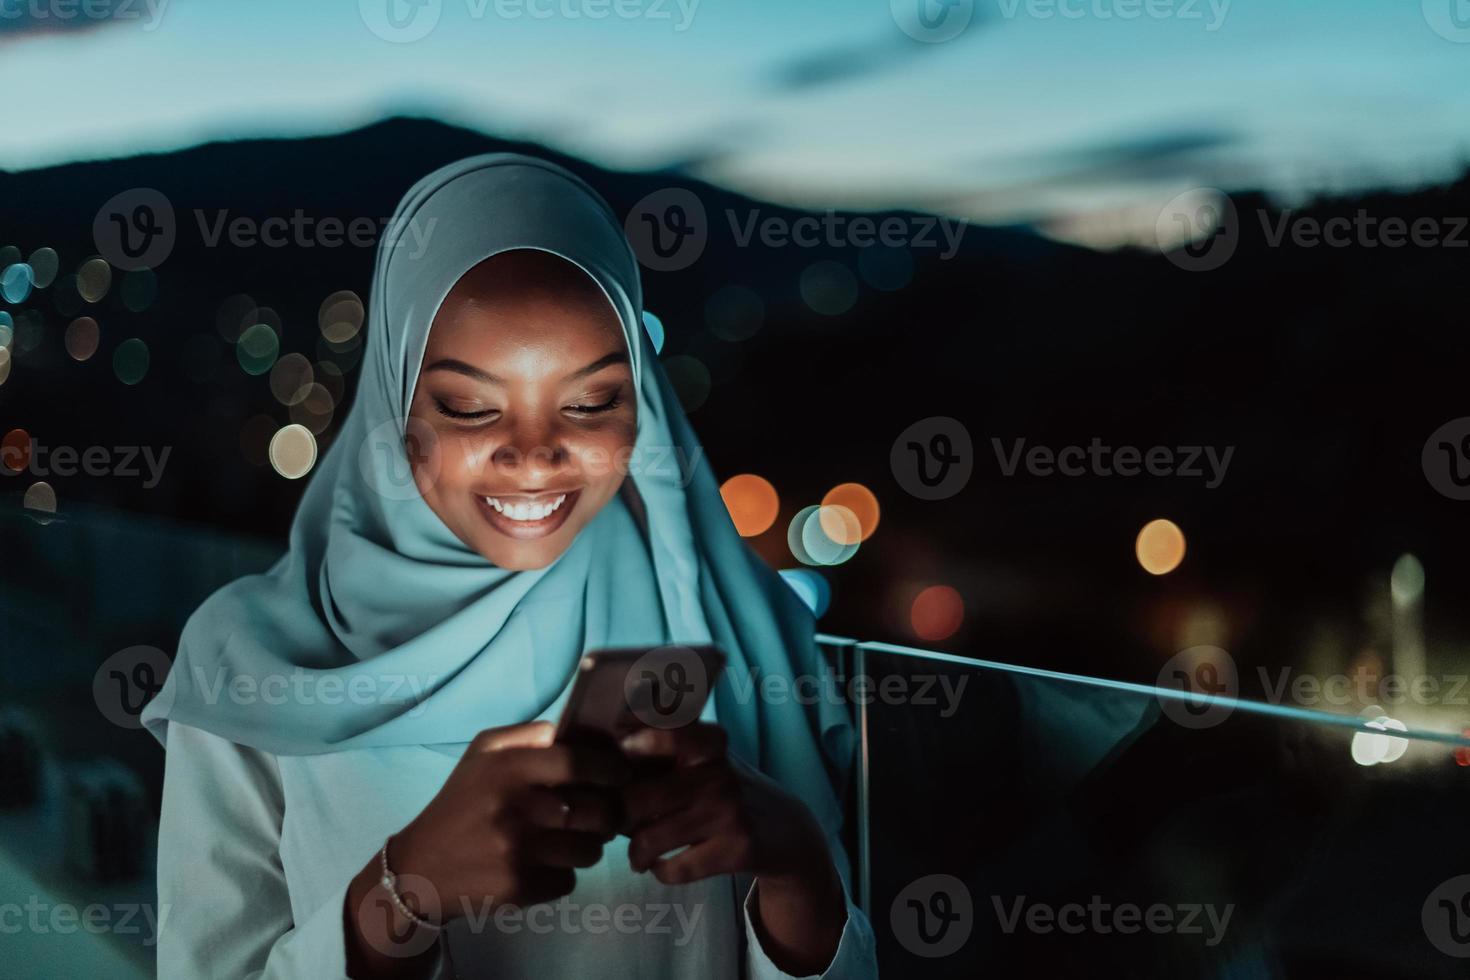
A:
[752,502]
[15,451]
[1160,547]
[859,500]
[937,613]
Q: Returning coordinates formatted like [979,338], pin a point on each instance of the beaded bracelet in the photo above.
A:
[389,881]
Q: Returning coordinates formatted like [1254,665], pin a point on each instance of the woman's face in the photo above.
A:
[528,392]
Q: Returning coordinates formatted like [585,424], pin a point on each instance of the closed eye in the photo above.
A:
[450,413]
[606,406]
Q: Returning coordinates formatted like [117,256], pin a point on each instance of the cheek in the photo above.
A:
[603,457]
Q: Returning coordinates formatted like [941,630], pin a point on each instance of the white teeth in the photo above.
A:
[527,510]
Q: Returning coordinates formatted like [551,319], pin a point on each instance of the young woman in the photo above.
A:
[361,779]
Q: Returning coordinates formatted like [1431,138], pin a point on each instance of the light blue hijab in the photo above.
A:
[379,627]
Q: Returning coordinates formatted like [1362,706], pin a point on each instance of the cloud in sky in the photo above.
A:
[822,103]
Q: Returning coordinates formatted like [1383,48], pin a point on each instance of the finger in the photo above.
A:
[572,808]
[536,734]
[704,860]
[561,765]
[688,745]
[650,798]
[682,829]
[562,849]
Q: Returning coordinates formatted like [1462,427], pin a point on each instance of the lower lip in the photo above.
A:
[526,530]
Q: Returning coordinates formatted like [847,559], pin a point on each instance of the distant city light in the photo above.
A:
[809,541]
[811,586]
[937,613]
[857,500]
[130,361]
[752,502]
[1160,547]
[1407,581]
[293,451]
[655,328]
[82,337]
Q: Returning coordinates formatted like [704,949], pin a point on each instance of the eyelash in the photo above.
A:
[450,413]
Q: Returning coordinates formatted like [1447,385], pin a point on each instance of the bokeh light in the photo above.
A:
[16,281]
[1160,547]
[30,328]
[752,502]
[290,378]
[858,501]
[293,451]
[810,543]
[314,409]
[937,613]
[4,364]
[230,320]
[655,328]
[94,279]
[40,502]
[690,379]
[1406,583]
[82,337]
[44,265]
[15,452]
[829,287]
[734,313]
[340,317]
[130,361]
[811,586]
[257,349]
[139,289]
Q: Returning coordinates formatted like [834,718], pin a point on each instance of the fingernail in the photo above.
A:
[636,742]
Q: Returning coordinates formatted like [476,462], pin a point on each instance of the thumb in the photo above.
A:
[531,735]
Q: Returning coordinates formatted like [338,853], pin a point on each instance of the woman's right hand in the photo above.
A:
[511,823]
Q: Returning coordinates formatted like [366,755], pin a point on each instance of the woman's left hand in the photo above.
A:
[730,818]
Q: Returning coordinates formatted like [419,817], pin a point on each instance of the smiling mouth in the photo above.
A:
[526,516]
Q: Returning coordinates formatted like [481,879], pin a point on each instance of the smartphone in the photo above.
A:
[617,692]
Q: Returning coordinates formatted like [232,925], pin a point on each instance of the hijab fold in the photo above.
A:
[379,627]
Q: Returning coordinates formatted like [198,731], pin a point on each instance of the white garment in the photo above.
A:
[256,851]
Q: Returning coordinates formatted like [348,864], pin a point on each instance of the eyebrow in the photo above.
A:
[470,371]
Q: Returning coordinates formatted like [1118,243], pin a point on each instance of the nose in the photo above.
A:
[534,454]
